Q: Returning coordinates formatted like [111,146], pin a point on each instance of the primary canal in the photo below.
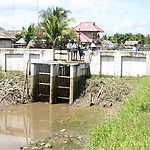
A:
[22,124]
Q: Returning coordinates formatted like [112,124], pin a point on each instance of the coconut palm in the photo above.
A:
[54,21]
[29,33]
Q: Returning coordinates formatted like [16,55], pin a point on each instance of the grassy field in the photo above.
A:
[130,129]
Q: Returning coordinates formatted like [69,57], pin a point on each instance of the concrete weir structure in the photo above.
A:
[57,78]
[57,81]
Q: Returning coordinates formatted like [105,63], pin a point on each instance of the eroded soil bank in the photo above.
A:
[99,102]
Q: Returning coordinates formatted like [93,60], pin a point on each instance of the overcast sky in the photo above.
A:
[113,16]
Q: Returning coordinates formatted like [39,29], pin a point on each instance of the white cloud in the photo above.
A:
[111,15]
[6,22]
[126,24]
[14,14]
[27,18]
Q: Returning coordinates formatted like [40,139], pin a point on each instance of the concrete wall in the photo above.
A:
[16,59]
[118,63]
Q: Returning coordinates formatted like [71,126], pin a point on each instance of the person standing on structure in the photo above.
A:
[75,50]
[93,46]
[81,52]
[69,47]
[135,48]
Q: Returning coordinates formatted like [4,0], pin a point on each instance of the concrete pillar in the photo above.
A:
[69,55]
[27,62]
[118,63]
[34,85]
[67,59]
[72,80]
[2,59]
[100,61]
[94,59]
[147,64]
[52,84]
[71,91]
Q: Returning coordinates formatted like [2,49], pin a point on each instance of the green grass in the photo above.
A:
[130,129]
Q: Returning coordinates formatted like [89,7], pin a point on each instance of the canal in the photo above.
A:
[22,124]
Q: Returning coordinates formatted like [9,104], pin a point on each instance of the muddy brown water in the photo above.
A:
[21,124]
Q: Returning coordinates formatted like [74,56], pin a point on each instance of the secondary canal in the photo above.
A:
[21,124]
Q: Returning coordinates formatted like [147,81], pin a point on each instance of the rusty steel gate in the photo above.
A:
[44,82]
[63,83]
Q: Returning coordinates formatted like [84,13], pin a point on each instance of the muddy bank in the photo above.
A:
[107,91]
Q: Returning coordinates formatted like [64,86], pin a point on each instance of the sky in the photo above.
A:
[113,16]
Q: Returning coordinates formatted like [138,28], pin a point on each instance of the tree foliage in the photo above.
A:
[121,38]
[54,22]
[29,34]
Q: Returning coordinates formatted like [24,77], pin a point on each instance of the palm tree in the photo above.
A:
[29,33]
[54,22]
[140,37]
[147,39]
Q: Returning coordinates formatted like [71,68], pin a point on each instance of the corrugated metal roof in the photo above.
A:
[4,34]
[83,37]
[88,26]
[107,42]
[21,41]
[14,32]
[131,42]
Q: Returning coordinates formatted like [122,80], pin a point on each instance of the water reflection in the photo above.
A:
[24,123]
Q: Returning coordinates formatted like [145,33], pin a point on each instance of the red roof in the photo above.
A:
[83,37]
[88,26]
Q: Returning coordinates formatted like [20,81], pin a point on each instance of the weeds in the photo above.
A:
[130,129]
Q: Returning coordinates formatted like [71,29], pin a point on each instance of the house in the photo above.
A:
[130,44]
[108,44]
[88,31]
[20,43]
[14,32]
[5,39]
[17,43]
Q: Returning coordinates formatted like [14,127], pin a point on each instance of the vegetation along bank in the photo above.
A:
[130,129]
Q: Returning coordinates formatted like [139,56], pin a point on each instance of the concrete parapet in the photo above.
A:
[118,63]
[16,58]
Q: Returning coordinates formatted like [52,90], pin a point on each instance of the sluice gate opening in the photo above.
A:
[43,82]
[63,83]
[55,82]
